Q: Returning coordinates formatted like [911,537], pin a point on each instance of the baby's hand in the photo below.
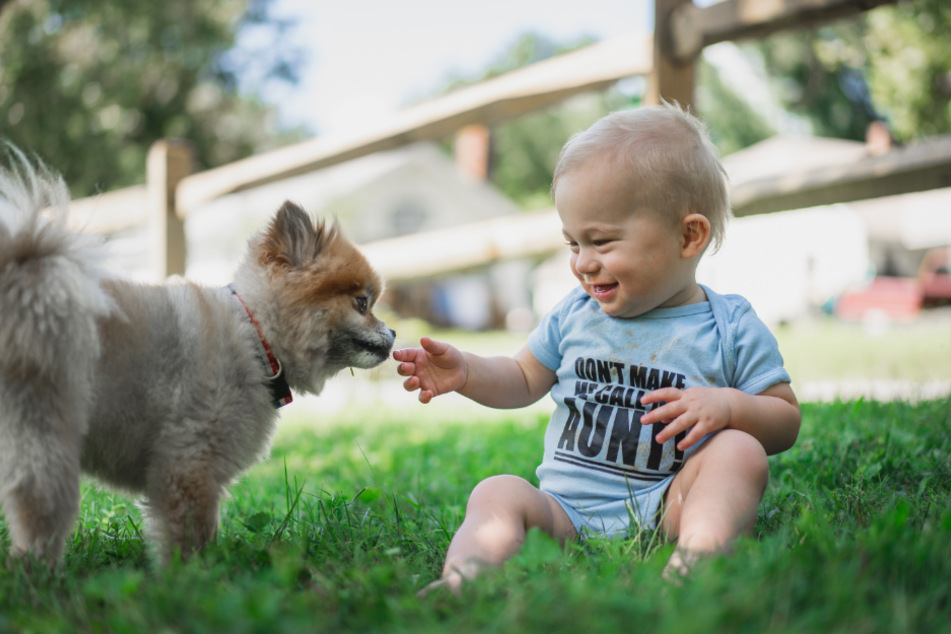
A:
[434,369]
[702,410]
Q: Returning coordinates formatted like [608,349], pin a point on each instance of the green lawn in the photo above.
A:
[349,518]
[352,513]
[919,351]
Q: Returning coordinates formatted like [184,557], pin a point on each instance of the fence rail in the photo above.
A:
[919,167]
[512,94]
[172,190]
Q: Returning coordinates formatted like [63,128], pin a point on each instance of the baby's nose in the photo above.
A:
[585,263]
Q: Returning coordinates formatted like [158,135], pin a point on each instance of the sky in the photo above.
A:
[368,58]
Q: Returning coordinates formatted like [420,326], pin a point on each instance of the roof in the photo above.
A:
[917,220]
[789,153]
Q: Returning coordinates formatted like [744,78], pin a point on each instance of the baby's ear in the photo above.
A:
[695,232]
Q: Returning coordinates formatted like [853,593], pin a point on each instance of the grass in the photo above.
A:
[352,514]
[344,523]
[824,349]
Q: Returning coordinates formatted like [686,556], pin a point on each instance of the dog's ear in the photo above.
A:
[292,239]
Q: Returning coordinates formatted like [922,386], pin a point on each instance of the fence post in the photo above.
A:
[669,78]
[168,162]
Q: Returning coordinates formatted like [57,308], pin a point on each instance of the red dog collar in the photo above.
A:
[276,383]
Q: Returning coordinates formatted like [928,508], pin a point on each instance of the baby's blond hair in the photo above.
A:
[674,167]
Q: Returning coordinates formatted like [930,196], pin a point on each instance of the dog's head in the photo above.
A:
[314,293]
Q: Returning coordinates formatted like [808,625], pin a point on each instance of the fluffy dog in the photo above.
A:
[166,391]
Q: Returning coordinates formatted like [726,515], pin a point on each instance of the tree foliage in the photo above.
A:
[910,66]
[89,86]
[733,123]
[893,62]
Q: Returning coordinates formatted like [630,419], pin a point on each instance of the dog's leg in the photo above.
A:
[39,491]
[182,508]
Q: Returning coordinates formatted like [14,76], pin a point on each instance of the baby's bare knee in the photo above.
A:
[511,498]
[497,489]
[744,451]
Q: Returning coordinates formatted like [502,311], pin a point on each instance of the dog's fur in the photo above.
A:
[158,390]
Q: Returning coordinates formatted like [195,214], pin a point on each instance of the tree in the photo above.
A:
[733,123]
[892,62]
[909,72]
[89,86]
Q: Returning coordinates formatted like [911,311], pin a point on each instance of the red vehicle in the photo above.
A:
[902,298]
[934,278]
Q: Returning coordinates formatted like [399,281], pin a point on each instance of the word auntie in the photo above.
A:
[603,429]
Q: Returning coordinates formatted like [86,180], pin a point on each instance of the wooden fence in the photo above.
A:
[173,190]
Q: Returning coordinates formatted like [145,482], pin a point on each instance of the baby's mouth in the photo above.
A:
[603,289]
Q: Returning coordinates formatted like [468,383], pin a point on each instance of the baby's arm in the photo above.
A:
[772,416]
[501,382]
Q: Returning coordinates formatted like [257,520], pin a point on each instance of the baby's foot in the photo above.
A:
[452,582]
[679,565]
[453,578]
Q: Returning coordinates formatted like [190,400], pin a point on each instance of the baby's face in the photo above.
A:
[629,259]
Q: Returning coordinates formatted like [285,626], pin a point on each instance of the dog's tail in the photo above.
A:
[51,298]
[50,281]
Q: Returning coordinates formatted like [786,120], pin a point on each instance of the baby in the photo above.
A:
[668,396]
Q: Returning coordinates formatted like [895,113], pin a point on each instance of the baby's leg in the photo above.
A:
[715,496]
[500,511]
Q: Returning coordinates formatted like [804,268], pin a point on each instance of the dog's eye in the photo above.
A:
[362,304]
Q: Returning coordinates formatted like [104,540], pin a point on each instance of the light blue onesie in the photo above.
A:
[600,463]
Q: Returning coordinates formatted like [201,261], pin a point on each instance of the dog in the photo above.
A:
[165,391]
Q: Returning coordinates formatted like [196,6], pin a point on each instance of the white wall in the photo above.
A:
[791,262]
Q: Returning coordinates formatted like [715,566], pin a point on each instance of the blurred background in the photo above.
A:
[857,292]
